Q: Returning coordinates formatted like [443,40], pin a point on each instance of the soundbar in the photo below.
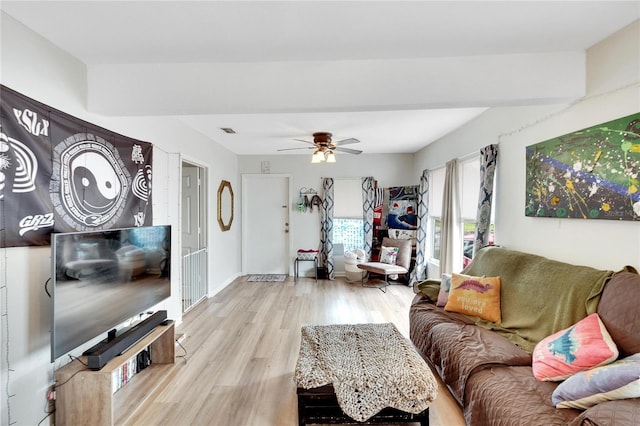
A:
[105,351]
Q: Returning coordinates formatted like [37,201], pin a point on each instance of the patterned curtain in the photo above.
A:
[450,239]
[419,269]
[368,204]
[488,161]
[326,238]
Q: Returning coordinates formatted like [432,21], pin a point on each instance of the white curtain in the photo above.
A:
[450,242]
[368,204]
[326,238]
[418,272]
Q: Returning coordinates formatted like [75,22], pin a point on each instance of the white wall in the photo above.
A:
[388,170]
[38,69]
[613,69]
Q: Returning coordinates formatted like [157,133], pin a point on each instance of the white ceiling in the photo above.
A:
[396,75]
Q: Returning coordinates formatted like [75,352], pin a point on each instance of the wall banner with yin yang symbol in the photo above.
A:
[61,174]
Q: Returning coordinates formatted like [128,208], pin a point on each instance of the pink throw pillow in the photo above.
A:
[445,286]
[584,345]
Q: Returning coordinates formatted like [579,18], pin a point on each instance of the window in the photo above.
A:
[437,235]
[349,233]
[469,175]
[348,222]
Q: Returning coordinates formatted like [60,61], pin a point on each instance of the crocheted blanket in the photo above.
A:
[371,367]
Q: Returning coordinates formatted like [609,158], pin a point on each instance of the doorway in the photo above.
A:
[194,232]
[266,236]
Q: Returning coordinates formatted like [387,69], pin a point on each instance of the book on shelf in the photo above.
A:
[123,374]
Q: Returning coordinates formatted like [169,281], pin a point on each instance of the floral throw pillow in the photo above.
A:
[388,255]
[475,296]
[582,346]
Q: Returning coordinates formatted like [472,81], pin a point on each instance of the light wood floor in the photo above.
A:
[242,346]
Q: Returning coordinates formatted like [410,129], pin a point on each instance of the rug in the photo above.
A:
[266,278]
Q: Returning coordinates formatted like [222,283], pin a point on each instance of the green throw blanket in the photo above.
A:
[538,296]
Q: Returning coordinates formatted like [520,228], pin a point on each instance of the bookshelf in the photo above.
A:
[85,396]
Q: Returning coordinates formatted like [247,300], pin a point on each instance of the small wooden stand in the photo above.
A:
[84,396]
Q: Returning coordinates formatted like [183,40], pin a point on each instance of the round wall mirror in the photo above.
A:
[225,205]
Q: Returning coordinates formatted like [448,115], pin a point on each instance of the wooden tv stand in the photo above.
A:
[85,396]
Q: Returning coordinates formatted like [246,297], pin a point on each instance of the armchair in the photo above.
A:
[401,266]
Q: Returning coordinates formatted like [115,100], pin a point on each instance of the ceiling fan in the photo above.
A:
[324,147]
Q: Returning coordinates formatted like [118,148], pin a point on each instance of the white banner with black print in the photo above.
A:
[62,174]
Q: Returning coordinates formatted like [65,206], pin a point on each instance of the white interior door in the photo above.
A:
[190,210]
[265,224]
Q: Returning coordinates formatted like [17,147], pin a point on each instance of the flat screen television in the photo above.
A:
[103,278]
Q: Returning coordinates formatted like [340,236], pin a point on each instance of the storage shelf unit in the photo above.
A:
[85,396]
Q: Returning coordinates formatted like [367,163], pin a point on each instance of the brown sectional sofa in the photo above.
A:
[487,366]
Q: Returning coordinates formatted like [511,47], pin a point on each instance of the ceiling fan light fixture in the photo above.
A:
[318,156]
[331,157]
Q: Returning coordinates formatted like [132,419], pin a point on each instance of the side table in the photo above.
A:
[315,264]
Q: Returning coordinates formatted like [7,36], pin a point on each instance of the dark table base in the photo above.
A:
[320,406]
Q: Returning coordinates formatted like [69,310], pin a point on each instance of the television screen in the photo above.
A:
[103,278]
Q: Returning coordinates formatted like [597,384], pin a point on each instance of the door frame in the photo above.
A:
[204,201]
[245,237]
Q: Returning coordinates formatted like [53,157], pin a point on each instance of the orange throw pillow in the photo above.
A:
[475,296]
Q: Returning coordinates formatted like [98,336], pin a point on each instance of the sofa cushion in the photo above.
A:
[618,310]
[501,396]
[475,296]
[619,380]
[580,347]
[538,296]
[457,350]
[623,412]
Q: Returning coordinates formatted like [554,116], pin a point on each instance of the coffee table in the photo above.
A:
[361,373]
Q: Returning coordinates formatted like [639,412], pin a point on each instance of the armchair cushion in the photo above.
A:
[404,251]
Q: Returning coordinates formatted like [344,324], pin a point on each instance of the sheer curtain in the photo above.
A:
[418,272]
[368,204]
[488,161]
[326,228]
[450,245]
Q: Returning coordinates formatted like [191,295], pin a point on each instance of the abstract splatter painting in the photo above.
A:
[589,174]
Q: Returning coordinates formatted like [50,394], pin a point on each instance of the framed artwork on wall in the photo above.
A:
[593,173]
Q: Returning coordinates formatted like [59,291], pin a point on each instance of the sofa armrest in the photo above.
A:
[429,287]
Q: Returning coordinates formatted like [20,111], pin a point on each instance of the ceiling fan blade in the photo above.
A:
[291,149]
[348,150]
[302,140]
[346,142]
